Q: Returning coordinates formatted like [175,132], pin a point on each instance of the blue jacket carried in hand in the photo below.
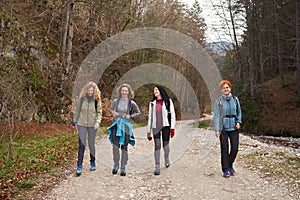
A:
[121,123]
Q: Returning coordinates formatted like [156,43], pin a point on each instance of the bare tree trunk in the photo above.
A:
[11,132]
[63,43]
[92,25]
[237,49]
[251,77]
[70,37]
[298,43]
[279,50]
[66,41]
[261,77]
[233,26]
[262,54]
[251,43]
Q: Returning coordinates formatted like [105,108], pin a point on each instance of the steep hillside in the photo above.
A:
[279,107]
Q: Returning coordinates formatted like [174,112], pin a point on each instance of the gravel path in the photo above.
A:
[195,173]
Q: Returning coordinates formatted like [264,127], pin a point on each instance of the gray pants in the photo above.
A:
[82,131]
[163,133]
[116,148]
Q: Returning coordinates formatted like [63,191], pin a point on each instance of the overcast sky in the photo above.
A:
[215,31]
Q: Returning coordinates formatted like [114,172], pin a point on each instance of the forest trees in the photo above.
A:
[57,35]
[298,44]
[269,41]
[267,48]
[269,59]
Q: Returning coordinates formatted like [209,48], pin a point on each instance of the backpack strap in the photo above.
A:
[118,101]
[151,115]
[220,104]
[168,109]
[129,107]
[236,104]
[81,101]
[96,104]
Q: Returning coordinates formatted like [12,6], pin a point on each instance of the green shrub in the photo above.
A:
[251,115]
[203,125]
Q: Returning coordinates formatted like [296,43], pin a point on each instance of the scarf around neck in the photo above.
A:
[227,97]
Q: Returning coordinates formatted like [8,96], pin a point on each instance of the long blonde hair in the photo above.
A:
[130,91]
[97,93]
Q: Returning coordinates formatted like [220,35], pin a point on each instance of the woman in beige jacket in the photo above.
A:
[87,118]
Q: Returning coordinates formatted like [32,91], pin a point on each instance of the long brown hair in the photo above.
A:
[97,93]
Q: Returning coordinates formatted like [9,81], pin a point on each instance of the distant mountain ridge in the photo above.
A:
[219,47]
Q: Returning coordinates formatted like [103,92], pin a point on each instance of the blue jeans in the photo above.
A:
[82,131]
[227,158]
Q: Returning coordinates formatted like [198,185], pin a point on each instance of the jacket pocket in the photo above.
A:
[229,123]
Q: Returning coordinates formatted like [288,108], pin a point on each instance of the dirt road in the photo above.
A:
[195,173]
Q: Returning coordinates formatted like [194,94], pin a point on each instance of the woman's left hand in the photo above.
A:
[237,126]
[172,133]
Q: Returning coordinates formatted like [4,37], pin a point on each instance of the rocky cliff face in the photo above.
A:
[30,81]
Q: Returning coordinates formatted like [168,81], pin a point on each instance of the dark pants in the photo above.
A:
[82,130]
[116,147]
[227,158]
[163,132]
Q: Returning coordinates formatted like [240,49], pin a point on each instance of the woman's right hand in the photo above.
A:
[149,137]
[217,134]
[116,114]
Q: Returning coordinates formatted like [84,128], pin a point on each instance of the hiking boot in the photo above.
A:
[167,163]
[93,166]
[232,171]
[78,170]
[123,172]
[157,171]
[115,169]
[226,174]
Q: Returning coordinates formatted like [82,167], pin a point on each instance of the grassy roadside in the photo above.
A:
[39,161]
[33,156]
